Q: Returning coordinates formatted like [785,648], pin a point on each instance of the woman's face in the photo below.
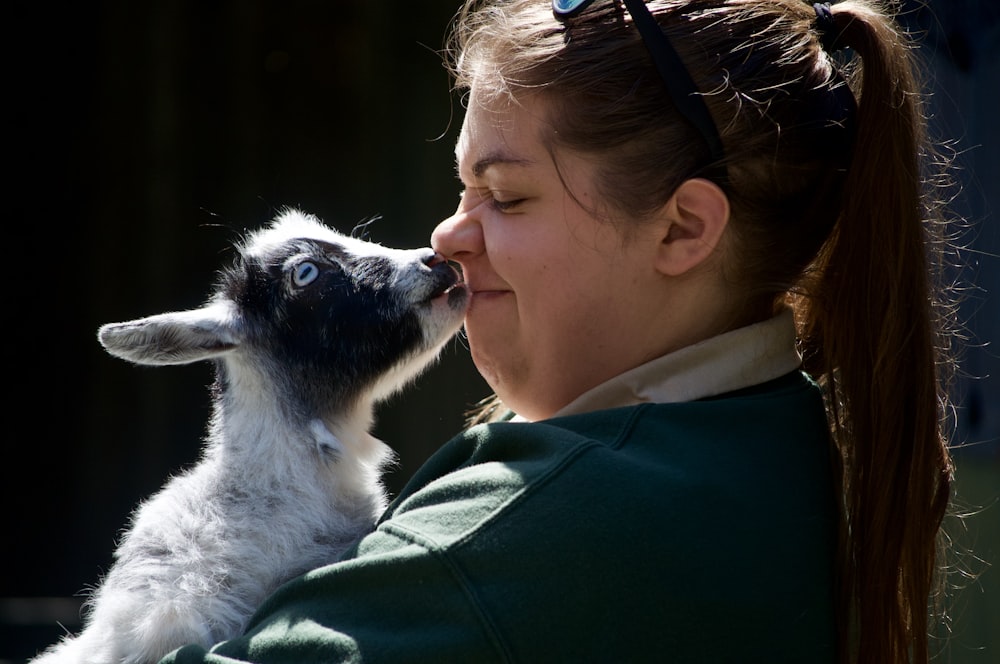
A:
[561,301]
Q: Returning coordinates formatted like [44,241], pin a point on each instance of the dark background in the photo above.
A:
[143,137]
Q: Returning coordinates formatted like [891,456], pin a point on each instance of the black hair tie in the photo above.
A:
[825,26]
[841,106]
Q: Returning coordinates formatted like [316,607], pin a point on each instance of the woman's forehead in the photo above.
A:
[499,132]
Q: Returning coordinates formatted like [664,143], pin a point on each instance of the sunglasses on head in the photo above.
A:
[680,86]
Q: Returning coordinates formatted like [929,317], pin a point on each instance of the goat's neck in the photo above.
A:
[258,439]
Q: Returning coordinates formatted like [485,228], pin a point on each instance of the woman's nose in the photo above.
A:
[460,235]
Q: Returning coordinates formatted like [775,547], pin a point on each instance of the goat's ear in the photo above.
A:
[179,337]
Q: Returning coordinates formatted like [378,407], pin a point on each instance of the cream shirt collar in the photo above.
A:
[731,361]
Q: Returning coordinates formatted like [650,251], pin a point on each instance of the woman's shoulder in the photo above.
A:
[765,436]
[698,509]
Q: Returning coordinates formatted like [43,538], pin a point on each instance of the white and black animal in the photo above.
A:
[308,329]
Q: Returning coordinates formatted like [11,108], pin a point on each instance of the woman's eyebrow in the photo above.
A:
[496,159]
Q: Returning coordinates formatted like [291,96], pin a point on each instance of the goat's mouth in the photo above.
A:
[454,291]
[458,294]
[449,284]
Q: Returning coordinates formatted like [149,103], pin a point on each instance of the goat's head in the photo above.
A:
[324,317]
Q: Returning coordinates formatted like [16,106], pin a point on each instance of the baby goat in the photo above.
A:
[308,329]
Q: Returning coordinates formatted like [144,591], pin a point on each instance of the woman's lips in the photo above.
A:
[485,297]
[486,293]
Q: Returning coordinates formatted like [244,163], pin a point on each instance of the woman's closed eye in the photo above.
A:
[504,205]
[496,200]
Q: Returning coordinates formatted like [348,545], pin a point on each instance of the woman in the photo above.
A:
[704,290]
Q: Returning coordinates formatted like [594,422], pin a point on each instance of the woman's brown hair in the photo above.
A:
[829,174]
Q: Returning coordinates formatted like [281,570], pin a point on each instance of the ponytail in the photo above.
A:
[870,333]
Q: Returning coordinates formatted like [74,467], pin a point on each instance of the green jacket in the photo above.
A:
[688,532]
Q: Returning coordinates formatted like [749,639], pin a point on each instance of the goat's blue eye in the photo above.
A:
[305,273]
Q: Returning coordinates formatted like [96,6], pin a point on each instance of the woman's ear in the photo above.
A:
[695,216]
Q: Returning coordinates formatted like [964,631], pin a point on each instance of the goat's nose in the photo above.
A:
[434,258]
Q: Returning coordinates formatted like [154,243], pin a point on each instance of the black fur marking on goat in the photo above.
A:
[329,347]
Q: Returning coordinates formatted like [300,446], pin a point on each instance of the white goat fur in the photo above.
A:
[282,486]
